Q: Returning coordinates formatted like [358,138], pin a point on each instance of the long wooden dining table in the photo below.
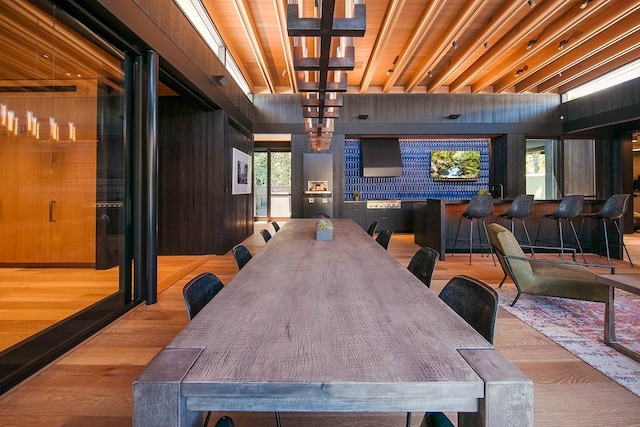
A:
[329,326]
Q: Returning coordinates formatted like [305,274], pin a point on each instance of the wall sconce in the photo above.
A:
[531,43]
[453,116]
[562,44]
[363,116]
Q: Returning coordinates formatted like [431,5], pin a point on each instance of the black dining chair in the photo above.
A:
[520,208]
[276,226]
[384,237]
[222,422]
[265,235]
[613,209]
[477,303]
[241,255]
[372,228]
[423,263]
[199,291]
[479,208]
[570,207]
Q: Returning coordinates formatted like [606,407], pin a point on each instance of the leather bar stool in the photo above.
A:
[614,209]
[520,208]
[570,207]
[479,208]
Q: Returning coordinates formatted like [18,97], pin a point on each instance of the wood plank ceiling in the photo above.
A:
[446,46]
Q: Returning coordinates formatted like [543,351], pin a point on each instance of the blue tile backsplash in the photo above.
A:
[415,182]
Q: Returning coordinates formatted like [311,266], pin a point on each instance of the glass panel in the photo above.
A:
[61,171]
[260,178]
[280,184]
[541,170]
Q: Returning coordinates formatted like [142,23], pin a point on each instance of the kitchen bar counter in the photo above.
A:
[436,222]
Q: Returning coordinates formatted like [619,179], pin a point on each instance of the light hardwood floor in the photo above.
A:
[91,385]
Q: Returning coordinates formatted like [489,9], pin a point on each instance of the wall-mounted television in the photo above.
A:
[455,165]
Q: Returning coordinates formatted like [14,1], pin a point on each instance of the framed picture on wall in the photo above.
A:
[241,178]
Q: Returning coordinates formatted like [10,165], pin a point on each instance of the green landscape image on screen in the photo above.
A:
[455,165]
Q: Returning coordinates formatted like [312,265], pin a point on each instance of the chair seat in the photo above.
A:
[567,281]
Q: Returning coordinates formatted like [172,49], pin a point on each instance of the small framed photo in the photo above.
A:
[241,178]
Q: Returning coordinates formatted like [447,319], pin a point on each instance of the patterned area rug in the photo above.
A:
[578,326]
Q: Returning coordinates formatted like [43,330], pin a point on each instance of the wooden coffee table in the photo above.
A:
[626,282]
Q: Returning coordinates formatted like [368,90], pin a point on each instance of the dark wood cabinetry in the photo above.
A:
[398,220]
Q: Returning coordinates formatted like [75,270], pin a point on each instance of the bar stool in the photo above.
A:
[569,208]
[480,207]
[612,211]
[520,208]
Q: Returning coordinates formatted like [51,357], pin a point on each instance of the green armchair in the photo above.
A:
[554,278]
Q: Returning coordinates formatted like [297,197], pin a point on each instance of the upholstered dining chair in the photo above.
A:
[479,208]
[222,422]
[276,226]
[384,237]
[372,228]
[241,255]
[265,235]
[423,263]
[613,209]
[199,291]
[477,303]
[555,278]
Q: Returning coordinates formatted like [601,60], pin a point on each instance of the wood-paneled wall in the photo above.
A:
[197,214]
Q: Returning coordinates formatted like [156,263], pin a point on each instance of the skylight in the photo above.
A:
[617,76]
[201,21]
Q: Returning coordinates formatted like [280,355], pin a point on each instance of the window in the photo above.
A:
[617,76]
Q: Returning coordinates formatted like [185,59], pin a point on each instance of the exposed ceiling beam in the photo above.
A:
[281,16]
[464,18]
[625,36]
[384,34]
[594,19]
[506,9]
[538,16]
[419,33]
[249,27]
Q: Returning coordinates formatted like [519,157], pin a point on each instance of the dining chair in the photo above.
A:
[479,208]
[613,209]
[199,291]
[276,226]
[570,207]
[476,303]
[372,228]
[222,422]
[423,263]
[265,235]
[241,255]
[384,237]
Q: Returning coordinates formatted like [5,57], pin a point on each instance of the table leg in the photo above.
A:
[609,317]
[156,392]
[508,396]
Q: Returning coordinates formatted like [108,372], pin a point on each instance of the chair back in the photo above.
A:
[241,254]
[199,291]
[276,226]
[265,235]
[474,301]
[480,206]
[615,206]
[569,207]
[521,207]
[423,263]
[384,237]
[505,244]
[372,228]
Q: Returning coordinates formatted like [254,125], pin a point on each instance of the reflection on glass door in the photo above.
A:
[272,184]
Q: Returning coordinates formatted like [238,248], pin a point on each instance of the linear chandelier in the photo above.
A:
[322,54]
